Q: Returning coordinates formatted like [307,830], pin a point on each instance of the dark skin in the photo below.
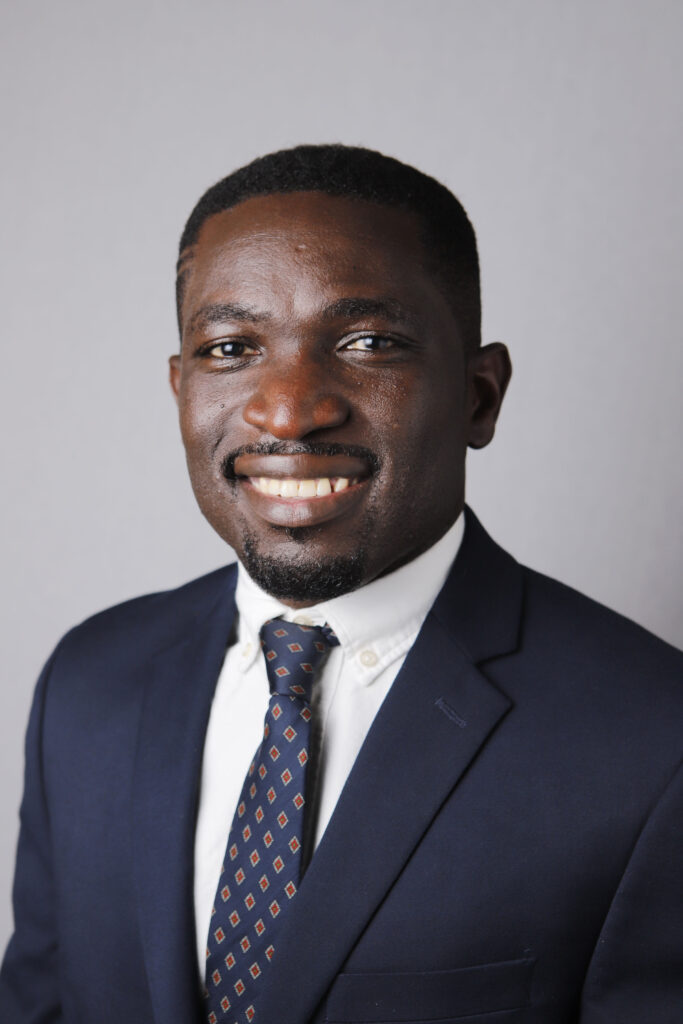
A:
[315,320]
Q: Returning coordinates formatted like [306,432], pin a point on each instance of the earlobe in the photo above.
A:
[488,374]
[174,374]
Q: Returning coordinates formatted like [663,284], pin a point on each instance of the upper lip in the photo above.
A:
[301,467]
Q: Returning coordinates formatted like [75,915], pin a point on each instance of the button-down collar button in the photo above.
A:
[368,658]
[303,620]
[247,649]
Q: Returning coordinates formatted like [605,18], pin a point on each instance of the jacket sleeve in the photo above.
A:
[29,984]
[636,973]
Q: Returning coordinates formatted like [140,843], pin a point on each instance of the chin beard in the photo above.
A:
[304,579]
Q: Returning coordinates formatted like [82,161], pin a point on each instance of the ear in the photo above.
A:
[488,374]
[174,374]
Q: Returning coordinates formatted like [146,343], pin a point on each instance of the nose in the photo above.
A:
[293,401]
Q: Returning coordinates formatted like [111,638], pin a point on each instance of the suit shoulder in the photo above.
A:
[587,630]
[151,620]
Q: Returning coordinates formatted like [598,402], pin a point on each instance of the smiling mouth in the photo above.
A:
[290,487]
[301,475]
[303,489]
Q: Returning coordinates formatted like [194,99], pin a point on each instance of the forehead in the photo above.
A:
[307,247]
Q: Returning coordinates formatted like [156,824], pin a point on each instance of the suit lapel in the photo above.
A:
[437,716]
[173,723]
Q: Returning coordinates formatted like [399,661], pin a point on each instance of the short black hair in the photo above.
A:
[358,173]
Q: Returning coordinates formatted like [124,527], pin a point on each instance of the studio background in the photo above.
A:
[557,125]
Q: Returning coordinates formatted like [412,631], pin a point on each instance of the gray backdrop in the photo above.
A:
[558,125]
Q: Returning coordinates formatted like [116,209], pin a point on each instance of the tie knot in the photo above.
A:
[293,654]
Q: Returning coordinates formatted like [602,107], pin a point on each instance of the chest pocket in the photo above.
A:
[444,996]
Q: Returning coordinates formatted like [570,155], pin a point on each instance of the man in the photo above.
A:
[464,802]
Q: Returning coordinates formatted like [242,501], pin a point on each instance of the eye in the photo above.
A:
[370,343]
[230,349]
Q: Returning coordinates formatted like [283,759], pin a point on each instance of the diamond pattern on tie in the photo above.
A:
[262,865]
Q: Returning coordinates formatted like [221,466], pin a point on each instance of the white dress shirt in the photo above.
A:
[376,626]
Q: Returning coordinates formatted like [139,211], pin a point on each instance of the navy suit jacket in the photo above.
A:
[508,846]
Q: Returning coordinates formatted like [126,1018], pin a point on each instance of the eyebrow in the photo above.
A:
[358,308]
[220,312]
[352,308]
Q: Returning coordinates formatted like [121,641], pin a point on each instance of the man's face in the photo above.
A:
[325,399]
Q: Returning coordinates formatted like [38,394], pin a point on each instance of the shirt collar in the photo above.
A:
[383,617]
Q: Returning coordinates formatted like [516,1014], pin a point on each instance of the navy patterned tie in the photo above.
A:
[262,865]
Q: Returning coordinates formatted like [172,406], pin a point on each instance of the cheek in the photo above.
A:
[424,445]
[388,406]
[417,422]
[203,416]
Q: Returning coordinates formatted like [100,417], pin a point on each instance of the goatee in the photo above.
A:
[304,579]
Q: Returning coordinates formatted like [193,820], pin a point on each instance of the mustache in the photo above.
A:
[299,448]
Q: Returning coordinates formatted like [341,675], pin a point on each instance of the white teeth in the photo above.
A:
[291,488]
